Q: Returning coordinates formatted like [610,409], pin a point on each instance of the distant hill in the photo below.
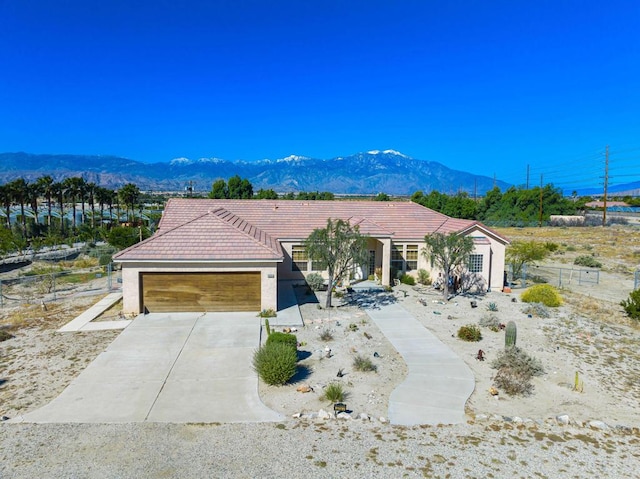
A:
[367,173]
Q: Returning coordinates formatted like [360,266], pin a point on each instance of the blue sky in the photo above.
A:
[487,87]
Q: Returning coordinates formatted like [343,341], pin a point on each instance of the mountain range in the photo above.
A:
[367,173]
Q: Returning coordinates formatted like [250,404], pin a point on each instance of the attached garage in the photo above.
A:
[200,292]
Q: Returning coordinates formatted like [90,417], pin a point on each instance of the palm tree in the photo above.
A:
[6,199]
[82,193]
[45,183]
[33,194]
[73,188]
[129,195]
[19,191]
[57,189]
[90,189]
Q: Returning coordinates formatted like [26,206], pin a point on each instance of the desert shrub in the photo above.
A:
[334,392]
[470,332]
[360,363]
[4,335]
[275,362]
[104,259]
[353,327]
[542,293]
[315,281]
[85,262]
[326,335]
[588,261]
[551,246]
[490,321]
[407,279]
[423,277]
[492,307]
[283,338]
[267,313]
[632,305]
[537,310]
[571,248]
[515,370]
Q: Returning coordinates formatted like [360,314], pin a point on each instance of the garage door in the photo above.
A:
[191,292]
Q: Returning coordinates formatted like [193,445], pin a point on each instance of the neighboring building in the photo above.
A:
[229,255]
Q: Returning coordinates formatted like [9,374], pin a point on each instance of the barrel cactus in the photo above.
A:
[510,334]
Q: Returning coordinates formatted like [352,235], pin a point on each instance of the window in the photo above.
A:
[396,259]
[299,258]
[318,266]
[412,257]
[475,263]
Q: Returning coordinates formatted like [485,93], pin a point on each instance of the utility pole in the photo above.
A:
[540,216]
[606,184]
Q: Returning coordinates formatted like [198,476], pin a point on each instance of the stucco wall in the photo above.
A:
[131,274]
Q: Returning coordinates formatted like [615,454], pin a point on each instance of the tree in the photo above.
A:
[71,190]
[45,183]
[447,252]
[219,190]
[121,237]
[129,195]
[6,199]
[266,194]
[20,191]
[520,253]
[382,197]
[340,247]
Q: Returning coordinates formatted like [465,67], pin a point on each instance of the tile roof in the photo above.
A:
[216,235]
[292,219]
[208,229]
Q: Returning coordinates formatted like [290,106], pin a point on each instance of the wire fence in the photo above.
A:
[555,276]
[56,286]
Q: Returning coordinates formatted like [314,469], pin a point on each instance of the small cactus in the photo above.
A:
[510,334]
[267,327]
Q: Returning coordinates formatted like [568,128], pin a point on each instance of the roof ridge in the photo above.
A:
[216,214]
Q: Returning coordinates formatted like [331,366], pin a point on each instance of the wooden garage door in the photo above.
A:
[187,292]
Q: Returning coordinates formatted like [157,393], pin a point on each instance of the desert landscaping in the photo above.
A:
[580,419]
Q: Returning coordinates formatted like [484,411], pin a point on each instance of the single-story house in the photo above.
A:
[229,255]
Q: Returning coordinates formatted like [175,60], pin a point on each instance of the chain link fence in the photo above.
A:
[44,288]
[556,276]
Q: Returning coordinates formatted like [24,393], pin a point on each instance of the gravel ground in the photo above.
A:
[332,448]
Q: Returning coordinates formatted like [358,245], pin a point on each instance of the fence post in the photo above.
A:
[54,286]
[109,279]
[1,296]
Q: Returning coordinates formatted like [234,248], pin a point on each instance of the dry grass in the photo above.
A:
[617,247]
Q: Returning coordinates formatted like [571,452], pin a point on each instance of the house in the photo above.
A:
[230,255]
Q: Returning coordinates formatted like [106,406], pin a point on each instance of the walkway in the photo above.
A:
[171,367]
[439,382]
[83,322]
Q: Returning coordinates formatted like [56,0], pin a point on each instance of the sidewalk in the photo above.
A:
[438,383]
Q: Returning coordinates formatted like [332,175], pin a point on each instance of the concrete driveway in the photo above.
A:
[169,367]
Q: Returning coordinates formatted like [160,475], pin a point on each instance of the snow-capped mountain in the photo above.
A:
[375,171]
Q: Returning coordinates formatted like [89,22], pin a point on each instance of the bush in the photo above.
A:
[490,321]
[407,279]
[4,335]
[104,259]
[275,362]
[542,293]
[632,305]
[334,392]
[537,310]
[588,261]
[551,246]
[360,363]
[470,332]
[267,313]
[315,281]
[492,307]
[423,277]
[515,370]
[326,335]
[283,338]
